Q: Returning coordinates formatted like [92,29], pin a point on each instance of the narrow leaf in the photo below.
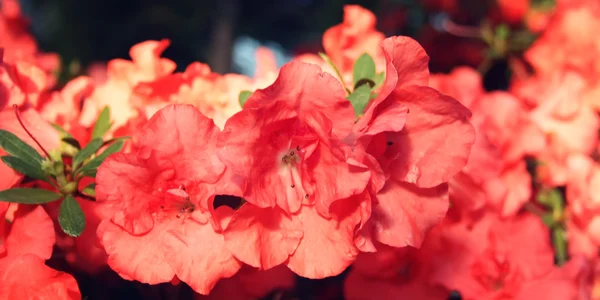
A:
[360,98]
[71,217]
[244,95]
[28,196]
[72,141]
[90,190]
[379,79]
[121,138]
[90,149]
[16,147]
[103,124]
[94,163]
[27,168]
[364,68]
[62,131]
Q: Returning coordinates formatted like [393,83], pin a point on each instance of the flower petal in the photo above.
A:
[137,257]
[305,89]
[262,237]
[32,231]
[436,141]
[124,182]
[198,255]
[27,277]
[327,247]
[405,213]
[180,136]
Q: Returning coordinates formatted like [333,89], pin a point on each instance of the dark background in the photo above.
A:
[205,30]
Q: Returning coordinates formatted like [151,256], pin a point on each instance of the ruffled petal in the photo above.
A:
[262,237]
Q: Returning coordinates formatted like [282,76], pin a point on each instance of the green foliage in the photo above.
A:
[71,217]
[28,196]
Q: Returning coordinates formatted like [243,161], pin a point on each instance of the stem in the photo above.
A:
[532,208]
[460,30]
[337,71]
[29,133]
[560,245]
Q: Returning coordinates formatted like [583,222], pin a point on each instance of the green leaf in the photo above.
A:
[365,81]
[102,125]
[26,168]
[62,131]
[16,147]
[244,95]
[28,196]
[379,79]
[121,138]
[502,31]
[90,149]
[548,220]
[90,168]
[360,98]
[90,190]
[551,198]
[364,68]
[71,217]
[72,141]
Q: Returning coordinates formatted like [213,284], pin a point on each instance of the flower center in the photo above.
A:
[290,171]
[496,274]
[176,201]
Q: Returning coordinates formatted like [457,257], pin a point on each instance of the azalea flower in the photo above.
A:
[158,229]
[24,246]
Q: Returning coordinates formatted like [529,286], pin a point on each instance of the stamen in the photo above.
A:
[16,108]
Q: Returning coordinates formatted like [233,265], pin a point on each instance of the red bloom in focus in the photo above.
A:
[419,152]
[24,245]
[302,186]
[159,198]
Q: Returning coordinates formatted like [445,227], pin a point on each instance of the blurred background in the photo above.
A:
[225,33]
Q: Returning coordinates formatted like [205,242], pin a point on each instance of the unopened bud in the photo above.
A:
[69,188]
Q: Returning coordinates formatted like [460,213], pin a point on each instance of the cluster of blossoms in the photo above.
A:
[422,186]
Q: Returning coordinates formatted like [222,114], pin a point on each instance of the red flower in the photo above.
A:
[513,11]
[482,262]
[291,150]
[421,138]
[28,241]
[123,76]
[302,186]
[345,42]
[160,226]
